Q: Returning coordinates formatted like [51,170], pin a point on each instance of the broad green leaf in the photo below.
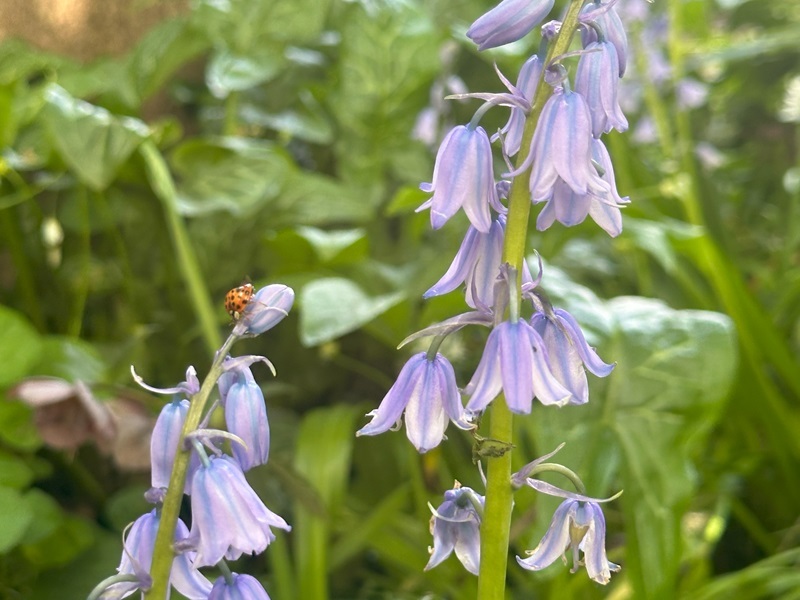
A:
[237,175]
[15,516]
[20,346]
[70,538]
[48,515]
[14,472]
[16,426]
[645,423]
[332,244]
[306,121]
[89,138]
[332,307]
[228,72]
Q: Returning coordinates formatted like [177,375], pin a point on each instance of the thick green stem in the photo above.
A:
[163,552]
[497,518]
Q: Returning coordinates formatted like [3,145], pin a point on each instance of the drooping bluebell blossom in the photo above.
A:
[577,524]
[268,307]
[527,82]
[570,208]
[164,441]
[606,18]
[515,361]
[597,80]
[228,517]
[508,22]
[427,391]
[562,148]
[241,587]
[455,525]
[463,177]
[569,352]
[245,416]
[138,556]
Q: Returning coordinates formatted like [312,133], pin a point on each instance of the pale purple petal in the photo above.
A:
[593,544]
[462,264]
[481,279]
[529,76]
[516,358]
[565,363]
[396,399]
[597,80]
[243,587]
[554,543]
[487,381]
[546,387]
[508,22]
[456,526]
[246,417]
[425,418]
[587,354]
[268,307]
[164,441]
[468,547]
[451,398]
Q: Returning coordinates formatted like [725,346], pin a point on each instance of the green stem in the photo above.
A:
[231,123]
[82,288]
[162,184]
[29,294]
[163,553]
[497,518]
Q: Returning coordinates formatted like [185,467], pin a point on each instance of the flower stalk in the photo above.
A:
[497,517]
[163,552]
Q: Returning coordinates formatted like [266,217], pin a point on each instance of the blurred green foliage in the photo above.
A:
[271,140]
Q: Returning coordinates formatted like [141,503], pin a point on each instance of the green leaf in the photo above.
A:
[232,174]
[89,138]
[47,516]
[20,346]
[70,538]
[332,307]
[14,472]
[330,245]
[15,517]
[228,72]
[17,429]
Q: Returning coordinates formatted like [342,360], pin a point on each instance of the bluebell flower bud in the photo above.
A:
[246,417]
[455,525]
[605,17]
[463,177]
[164,441]
[527,82]
[228,517]
[241,587]
[508,22]
[515,361]
[268,307]
[427,391]
[598,82]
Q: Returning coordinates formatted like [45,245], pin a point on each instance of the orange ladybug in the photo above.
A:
[237,299]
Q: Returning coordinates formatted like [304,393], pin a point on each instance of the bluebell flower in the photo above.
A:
[477,263]
[569,352]
[229,519]
[527,82]
[605,17]
[455,525]
[164,441]
[562,148]
[508,22]
[578,524]
[268,307]
[138,556]
[427,391]
[463,177]
[515,361]
[241,587]
[597,80]
[570,208]
[245,416]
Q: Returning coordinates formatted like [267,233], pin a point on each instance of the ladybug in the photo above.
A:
[237,299]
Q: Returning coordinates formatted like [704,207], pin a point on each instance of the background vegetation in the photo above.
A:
[273,140]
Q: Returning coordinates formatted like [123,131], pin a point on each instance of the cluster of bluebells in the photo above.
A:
[228,518]
[545,356]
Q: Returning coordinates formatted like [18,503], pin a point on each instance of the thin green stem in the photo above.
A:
[163,552]
[162,184]
[26,280]
[82,288]
[497,518]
